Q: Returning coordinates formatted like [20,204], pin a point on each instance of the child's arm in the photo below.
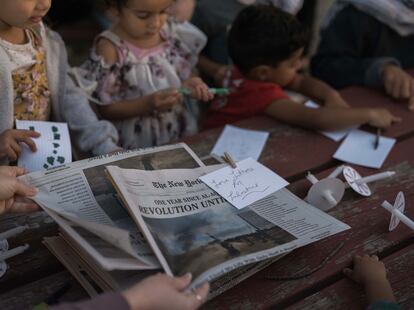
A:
[371,274]
[162,100]
[317,89]
[213,70]
[328,118]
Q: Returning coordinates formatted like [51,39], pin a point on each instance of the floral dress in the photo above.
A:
[32,98]
[141,72]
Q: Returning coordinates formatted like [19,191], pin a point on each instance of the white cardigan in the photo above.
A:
[69,104]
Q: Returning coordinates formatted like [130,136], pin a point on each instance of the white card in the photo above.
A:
[358,148]
[53,145]
[336,135]
[240,143]
[246,184]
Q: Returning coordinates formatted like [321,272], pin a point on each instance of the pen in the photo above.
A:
[377,138]
[214,91]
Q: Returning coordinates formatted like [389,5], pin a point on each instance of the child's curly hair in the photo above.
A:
[264,35]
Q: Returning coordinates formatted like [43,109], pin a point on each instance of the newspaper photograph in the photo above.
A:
[192,229]
[81,192]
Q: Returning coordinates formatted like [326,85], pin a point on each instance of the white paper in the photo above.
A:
[53,145]
[358,148]
[246,184]
[240,143]
[336,135]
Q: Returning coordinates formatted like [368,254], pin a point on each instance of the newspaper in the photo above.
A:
[146,209]
[80,198]
[191,228]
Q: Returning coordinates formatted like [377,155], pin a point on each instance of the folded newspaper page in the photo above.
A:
[192,229]
[82,200]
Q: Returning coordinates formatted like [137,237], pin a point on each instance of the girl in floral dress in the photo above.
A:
[139,67]
[35,85]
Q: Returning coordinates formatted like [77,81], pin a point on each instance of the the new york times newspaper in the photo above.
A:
[83,201]
[192,229]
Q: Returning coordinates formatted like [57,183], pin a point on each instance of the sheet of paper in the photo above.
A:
[240,143]
[358,148]
[53,146]
[336,135]
[246,184]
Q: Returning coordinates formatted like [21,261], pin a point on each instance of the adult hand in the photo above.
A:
[10,139]
[399,84]
[14,193]
[165,292]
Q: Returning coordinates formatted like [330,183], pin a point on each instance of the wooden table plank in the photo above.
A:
[369,233]
[284,150]
[37,261]
[345,294]
[28,295]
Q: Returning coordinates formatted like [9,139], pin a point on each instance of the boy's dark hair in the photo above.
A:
[116,3]
[264,35]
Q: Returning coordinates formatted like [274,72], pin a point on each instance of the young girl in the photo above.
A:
[35,86]
[139,67]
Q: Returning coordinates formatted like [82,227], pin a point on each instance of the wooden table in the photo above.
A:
[291,152]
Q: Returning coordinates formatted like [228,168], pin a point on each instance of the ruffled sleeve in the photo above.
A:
[109,80]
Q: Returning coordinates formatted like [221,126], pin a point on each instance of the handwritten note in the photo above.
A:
[53,146]
[358,148]
[246,184]
[336,135]
[240,143]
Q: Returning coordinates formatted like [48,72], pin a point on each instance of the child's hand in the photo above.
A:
[10,139]
[367,269]
[164,100]
[199,89]
[399,84]
[335,100]
[165,292]
[371,274]
[381,118]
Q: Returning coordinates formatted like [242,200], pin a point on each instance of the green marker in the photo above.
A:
[214,91]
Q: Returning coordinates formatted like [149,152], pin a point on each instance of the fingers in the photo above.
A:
[24,190]
[395,119]
[199,296]
[181,283]
[14,150]
[349,273]
[23,205]
[12,171]
[29,142]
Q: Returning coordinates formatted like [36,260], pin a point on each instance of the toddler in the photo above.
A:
[139,66]
[266,46]
[35,85]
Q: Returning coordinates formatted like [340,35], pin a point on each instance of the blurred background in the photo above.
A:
[79,21]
